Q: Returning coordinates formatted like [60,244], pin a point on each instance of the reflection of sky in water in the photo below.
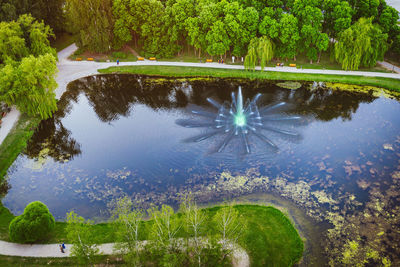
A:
[143,152]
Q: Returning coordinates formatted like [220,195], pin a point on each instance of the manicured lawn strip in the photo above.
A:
[16,141]
[176,71]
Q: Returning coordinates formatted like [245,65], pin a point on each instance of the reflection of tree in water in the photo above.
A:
[53,138]
[113,96]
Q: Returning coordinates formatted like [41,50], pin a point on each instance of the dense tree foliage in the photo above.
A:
[92,22]
[222,27]
[28,66]
[36,223]
[50,11]
[213,27]
[83,240]
[360,45]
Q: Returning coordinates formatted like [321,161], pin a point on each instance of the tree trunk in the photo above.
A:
[319,57]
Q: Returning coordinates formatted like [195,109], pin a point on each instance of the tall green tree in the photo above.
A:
[289,36]
[83,240]
[24,37]
[30,85]
[128,227]
[313,40]
[50,11]
[362,44]
[165,227]
[92,21]
[218,40]
[337,16]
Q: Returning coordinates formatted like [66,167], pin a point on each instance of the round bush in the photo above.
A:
[34,224]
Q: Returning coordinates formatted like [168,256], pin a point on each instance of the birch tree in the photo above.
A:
[228,225]
[193,221]
[128,225]
[84,246]
[165,226]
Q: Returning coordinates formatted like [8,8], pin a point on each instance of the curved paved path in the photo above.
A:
[240,256]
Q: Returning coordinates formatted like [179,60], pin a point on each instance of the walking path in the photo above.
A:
[8,122]
[239,255]
[389,66]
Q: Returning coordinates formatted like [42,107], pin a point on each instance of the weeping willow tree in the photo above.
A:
[30,85]
[250,59]
[260,49]
[361,44]
[265,51]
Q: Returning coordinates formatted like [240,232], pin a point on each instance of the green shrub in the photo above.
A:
[119,55]
[36,223]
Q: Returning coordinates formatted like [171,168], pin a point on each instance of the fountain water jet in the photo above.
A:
[238,119]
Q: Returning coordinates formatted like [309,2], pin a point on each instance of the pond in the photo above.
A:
[117,135]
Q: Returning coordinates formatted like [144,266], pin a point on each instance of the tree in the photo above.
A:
[127,223]
[361,44]
[228,225]
[310,22]
[251,59]
[194,221]
[24,37]
[12,42]
[265,50]
[83,240]
[288,37]
[36,223]
[50,11]
[337,16]
[30,85]
[165,226]
[218,40]
[92,21]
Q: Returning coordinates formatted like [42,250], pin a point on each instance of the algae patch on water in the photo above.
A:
[290,85]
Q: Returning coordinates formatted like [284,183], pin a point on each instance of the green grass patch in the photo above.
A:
[268,236]
[176,71]
[16,141]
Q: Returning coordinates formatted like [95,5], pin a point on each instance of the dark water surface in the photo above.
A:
[116,135]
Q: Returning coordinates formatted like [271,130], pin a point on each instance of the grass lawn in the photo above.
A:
[16,141]
[268,235]
[301,62]
[175,71]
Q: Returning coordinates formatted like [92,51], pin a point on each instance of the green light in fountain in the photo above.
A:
[240,119]
[236,119]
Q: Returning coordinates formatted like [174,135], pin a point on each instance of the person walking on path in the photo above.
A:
[117,61]
[62,249]
[63,245]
